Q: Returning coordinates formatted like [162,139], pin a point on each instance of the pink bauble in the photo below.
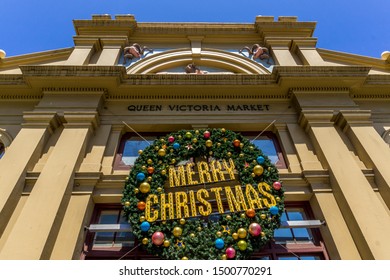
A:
[254,229]
[158,238]
[230,253]
[206,134]
[171,139]
[277,185]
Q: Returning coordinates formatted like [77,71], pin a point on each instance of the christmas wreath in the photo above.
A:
[203,194]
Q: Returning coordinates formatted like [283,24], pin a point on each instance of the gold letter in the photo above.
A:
[229,169]
[181,202]
[263,189]
[193,204]
[208,210]
[164,206]
[203,169]
[190,173]
[178,178]
[216,170]
[235,202]
[150,200]
[217,192]
[253,200]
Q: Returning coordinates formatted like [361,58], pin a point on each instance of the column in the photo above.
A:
[111,50]
[24,151]
[307,52]
[282,55]
[84,49]
[39,222]
[370,147]
[363,212]
[338,239]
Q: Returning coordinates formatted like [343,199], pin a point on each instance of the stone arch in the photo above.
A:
[228,61]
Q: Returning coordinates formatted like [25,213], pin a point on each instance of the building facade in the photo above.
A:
[72,121]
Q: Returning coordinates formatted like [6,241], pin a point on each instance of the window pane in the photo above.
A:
[268,148]
[298,214]
[130,151]
[106,239]
[300,257]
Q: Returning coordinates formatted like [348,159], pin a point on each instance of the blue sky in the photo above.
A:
[359,27]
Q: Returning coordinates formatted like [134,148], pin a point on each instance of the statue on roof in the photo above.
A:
[193,69]
[257,51]
[135,51]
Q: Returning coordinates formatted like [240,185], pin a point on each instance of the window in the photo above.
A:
[295,243]
[2,150]
[128,149]
[111,244]
[269,145]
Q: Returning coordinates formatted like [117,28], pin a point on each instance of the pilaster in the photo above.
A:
[111,50]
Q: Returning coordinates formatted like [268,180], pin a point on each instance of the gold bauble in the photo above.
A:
[209,143]
[143,167]
[229,154]
[144,187]
[262,234]
[160,162]
[145,241]
[194,140]
[182,221]
[242,245]
[136,190]
[199,228]
[127,203]
[142,218]
[173,161]
[243,216]
[235,236]
[228,217]
[179,137]
[156,148]
[192,235]
[177,231]
[223,130]
[162,140]
[159,189]
[140,152]
[196,131]
[269,168]
[253,174]
[241,233]
[224,257]
[149,161]
[258,170]
[162,152]
[263,216]
[184,259]
[219,144]
[211,153]
[219,234]
[241,155]
[277,198]
[188,135]
[166,243]
[163,172]
[251,147]
[150,179]
[241,145]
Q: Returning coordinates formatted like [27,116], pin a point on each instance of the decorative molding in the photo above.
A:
[321,71]
[370,95]
[72,71]
[319,89]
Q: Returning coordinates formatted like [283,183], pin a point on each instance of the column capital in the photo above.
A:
[347,118]
[309,118]
[81,119]
[278,43]
[41,119]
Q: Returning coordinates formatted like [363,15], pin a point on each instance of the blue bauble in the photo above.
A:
[260,159]
[274,210]
[219,243]
[145,226]
[140,176]
[176,145]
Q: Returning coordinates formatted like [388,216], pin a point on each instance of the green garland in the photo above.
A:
[198,236]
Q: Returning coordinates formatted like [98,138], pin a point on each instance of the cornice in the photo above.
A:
[321,71]
[72,71]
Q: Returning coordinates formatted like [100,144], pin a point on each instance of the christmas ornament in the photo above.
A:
[209,143]
[235,236]
[163,172]
[188,135]
[241,233]
[260,160]
[150,169]
[254,229]
[149,161]
[127,203]
[141,205]
[171,139]
[159,189]
[177,231]
[145,241]
[250,213]
[242,245]
[145,226]
[230,253]
[144,187]
[206,134]
[236,143]
[176,146]
[219,243]
[149,179]
[182,221]
[142,218]
[224,257]
[162,152]
[184,259]
[277,185]
[258,170]
[136,190]
[263,216]
[140,176]
[274,210]
[223,130]
[218,233]
[158,238]
[140,152]
[166,243]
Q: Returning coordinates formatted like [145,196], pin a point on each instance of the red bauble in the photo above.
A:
[206,134]
[277,185]
[141,205]
[150,169]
